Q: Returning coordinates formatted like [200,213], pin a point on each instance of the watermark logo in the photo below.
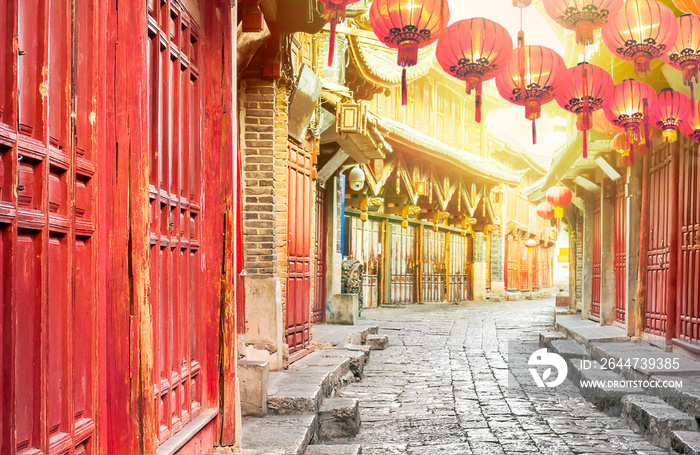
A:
[550,359]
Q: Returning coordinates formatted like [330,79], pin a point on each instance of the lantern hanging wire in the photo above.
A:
[334,12]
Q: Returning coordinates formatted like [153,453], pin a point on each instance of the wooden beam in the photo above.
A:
[607,168]
[331,166]
[352,149]
[586,184]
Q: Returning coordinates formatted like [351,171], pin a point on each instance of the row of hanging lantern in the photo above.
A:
[476,50]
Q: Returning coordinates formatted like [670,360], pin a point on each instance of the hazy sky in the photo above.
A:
[511,122]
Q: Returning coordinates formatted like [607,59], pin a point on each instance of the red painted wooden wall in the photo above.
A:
[103,111]
[319,314]
[512,263]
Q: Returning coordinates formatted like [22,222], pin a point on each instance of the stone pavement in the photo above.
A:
[441,387]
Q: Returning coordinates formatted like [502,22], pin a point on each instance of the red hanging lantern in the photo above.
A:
[620,144]
[690,127]
[545,210]
[629,107]
[640,32]
[602,125]
[408,25]
[530,244]
[671,109]
[586,87]
[531,78]
[582,16]
[334,12]
[559,197]
[685,53]
[688,6]
[474,50]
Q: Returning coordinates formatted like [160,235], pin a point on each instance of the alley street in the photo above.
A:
[441,388]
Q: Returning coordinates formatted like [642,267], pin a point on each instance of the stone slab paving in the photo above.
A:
[442,387]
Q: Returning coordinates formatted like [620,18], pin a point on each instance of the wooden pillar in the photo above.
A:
[633,222]
[587,240]
[447,266]
[385,265]
[607,252]
[673,246]
[574,236]
[640,314]
[418,268]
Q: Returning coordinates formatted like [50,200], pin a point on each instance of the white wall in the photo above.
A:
[561,269]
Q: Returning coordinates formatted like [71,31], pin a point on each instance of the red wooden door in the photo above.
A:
[524,267]
[298,320]
[544,261]
[434,266]
[512,264]
[689,279]
[403,261]
[619,265]
[48,265]
[174,113]
[595,290]
[533,260]
[657,263]
[365,246]
[319,314]
[460,268]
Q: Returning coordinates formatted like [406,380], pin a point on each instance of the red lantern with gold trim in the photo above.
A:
[531,78]
[671,109]
[530,244]
[640,32]
[474,50]
[559,197]
[629,107]
[685,53]
[690,127]
[586,87]
[582,16]
[545,210]
[408,25]
[688,6]
[334,12]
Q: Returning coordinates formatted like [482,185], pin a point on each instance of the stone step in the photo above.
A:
[334,449]
[686,442]
[546,337]
[377,342]
[278,435]
[569,349]
[607,394]
[253,377]
[632,354]
[301,389]
[685,398]
[373,330]
[338,419]
[655,419]
[358,359]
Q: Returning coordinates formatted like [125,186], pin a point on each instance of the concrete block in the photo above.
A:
[687,442]
[655,419]
[252,376]
[358,359]
[278,435]
[342,309]
[338,419]
[377,342]
[569,349]
[373,330]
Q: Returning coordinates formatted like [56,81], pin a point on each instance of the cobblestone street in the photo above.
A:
[441,387]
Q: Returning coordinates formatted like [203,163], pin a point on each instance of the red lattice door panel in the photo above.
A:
[689,279]
[319,314]
[595,290]
[366,247]
[620,264]
[533,259]
[524,267]
[512,264]
[434,266]
[48,269]
[460,268]
[657,262]
[175,116]
[403,262]
[545,267]
[298,317]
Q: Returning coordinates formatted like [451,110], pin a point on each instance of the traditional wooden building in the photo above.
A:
[116,183]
